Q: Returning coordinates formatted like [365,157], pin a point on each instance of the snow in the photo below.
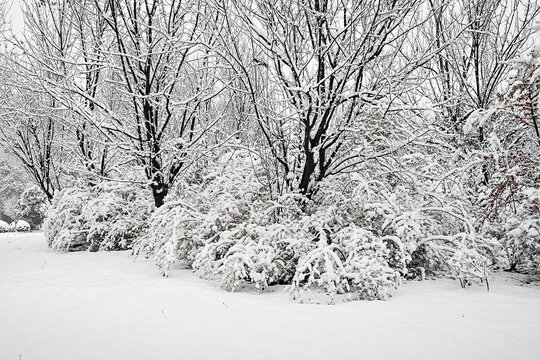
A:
[108,305]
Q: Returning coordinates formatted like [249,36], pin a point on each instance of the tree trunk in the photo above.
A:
[307,173]
[159,192]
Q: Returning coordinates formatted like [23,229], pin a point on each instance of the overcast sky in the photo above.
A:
[15,15]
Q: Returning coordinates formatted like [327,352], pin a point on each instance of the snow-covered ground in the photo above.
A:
[78,306]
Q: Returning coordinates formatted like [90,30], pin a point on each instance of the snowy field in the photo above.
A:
[78,306]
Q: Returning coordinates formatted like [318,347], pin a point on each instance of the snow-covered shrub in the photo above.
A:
[353,262]
[12,184]
[33,205]
[22,225]
[250,253]
[108,216]
[517,229]
[222,226]
[424,234]
[354,239]
[173,235]
[4,227]
[65,226]
[510,198]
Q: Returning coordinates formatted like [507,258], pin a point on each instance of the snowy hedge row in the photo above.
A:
[108,216]
[355,239]
[19,226]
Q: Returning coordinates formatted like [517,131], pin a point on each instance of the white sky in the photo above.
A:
[14,15]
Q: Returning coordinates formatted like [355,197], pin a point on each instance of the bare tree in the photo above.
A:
[321,60]
[47,68]
[156,63]
[69,69]
[29,129]
[476,40]
[29,133]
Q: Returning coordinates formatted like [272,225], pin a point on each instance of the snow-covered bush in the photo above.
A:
[173,235]
[12,184]
[354,239]
[65,226]
[510,198]
[425,233]
[222,226]
[22,225]
[4,227]
[108,216]
[353,262]
[33,205]
[250,253]
[517,229]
